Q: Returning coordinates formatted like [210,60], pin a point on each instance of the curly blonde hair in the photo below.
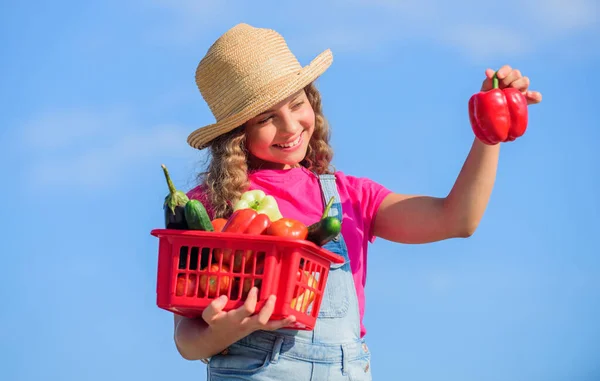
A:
[226,177]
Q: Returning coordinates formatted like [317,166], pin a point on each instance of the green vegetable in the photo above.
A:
[259,201]
[327,208]
[196,216]
[174,205]
[326,229]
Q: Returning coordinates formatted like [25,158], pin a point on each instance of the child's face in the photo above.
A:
[278,138]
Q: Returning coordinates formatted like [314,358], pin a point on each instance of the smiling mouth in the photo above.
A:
[291,144]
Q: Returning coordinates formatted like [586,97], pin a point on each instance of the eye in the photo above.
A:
[265,120]
[297,105]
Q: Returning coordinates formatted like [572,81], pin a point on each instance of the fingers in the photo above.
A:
[214,309]
[509,77]
[533,97]
[265,313]
[262,319]
[504,71]
[244,315]
[249,306]
[274,325]
[506,75]
[487,82]
[521,84]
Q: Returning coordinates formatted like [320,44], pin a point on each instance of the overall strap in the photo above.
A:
[328,190]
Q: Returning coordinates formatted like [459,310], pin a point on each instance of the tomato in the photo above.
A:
[188,288]
[249,282]
[215,286]
[218,224]
[304,300]
[288,227]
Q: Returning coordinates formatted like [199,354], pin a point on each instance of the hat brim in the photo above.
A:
[274,93]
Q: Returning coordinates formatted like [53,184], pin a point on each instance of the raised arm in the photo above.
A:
[423,219]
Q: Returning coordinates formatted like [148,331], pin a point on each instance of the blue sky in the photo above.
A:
[96,95]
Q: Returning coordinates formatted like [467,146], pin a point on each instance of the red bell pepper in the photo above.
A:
[244,221]
[498,115]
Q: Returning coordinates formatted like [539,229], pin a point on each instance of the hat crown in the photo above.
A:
[240,65]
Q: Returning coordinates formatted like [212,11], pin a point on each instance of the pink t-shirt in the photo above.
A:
[298,196]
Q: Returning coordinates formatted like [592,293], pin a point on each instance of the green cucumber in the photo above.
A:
[324,231]
[196,216]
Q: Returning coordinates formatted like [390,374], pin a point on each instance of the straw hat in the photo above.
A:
[244,73]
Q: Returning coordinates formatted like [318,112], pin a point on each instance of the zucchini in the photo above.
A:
[196,216]
[324,231]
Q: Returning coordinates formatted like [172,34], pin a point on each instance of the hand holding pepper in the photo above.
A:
[509,77]
[499,112]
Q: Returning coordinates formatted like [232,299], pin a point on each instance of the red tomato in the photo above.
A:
[186,288]
[216,286]
[249,282]
[287,227]
[218,224]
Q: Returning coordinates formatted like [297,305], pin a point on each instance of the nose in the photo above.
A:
[289,125]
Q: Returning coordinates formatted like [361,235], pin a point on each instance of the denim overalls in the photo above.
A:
[333,351]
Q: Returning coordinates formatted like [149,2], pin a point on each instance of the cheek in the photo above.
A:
[307,119]
[256,137]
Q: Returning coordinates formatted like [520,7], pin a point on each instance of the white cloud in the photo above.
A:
[483,30]
[67,127]
[566,16]
[96,149]
[191,20]
[439,283]
[480,30]
[483,41]
[355,26]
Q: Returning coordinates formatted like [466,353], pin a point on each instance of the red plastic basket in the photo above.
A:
[196,267]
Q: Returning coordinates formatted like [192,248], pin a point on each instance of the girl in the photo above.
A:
[270,134]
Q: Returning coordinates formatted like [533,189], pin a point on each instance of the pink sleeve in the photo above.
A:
[369,194]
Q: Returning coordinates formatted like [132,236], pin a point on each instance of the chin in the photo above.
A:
[293,160]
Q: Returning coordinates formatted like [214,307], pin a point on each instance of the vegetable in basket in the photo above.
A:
[174,205]
[217,284]
[242,221]
[288,227]
[186,285]
[218,224]
[196,216]
[260,202]
[304,300]
[326,229]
